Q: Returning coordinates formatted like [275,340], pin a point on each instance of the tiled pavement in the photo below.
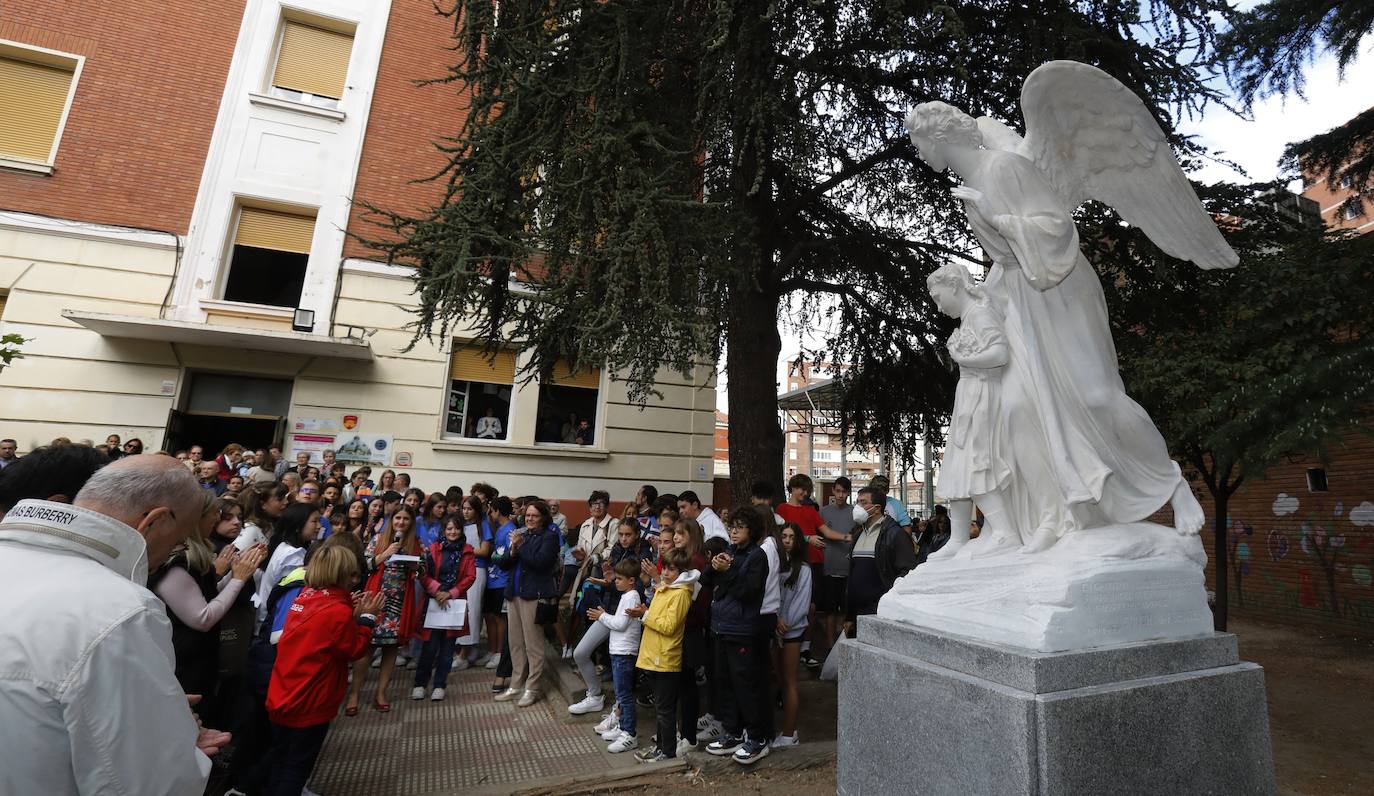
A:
[467,742]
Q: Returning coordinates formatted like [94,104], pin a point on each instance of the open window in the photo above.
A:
[269,257]
[312,63]
[479,394]
[568,406]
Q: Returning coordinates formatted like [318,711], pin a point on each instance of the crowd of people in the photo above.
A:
[283,583]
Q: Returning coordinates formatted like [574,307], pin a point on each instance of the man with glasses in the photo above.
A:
[881,553]
[100,699]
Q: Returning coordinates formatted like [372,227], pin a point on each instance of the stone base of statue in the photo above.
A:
[1092,588]
[923,711]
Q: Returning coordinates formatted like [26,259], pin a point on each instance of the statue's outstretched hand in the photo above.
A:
[973,196]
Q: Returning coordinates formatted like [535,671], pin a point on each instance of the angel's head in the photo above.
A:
[951,286]
[933,125]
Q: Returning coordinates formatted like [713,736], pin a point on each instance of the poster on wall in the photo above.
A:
[315,425]
[312,444]
[356,449]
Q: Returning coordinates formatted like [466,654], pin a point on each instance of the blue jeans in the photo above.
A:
[440,644]
[623,674]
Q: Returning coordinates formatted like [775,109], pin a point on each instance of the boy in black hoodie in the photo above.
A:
[739,576]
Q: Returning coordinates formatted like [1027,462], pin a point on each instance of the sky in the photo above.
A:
[1254,143]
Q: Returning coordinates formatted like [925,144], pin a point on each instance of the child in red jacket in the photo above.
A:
[450,569]
[325,630]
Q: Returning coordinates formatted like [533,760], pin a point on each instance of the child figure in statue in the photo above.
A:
[972,472]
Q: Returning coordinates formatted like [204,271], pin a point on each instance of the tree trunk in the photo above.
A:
[1221,554]
[752,348]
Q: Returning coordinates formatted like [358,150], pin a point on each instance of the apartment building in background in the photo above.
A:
[822,451]
[1334,203]
[177,244]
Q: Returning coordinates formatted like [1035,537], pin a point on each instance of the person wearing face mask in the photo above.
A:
[100,699]
[880,554]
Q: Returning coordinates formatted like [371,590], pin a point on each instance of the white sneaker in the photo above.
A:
[608,721]
[509,694]
[418,692]
[528,698]
[494,661]
[589,704]
[683,747]
[784,741]
[460,663]
[624,743]
[481,660]
[710,732]
[437,696]
[612,733]
[567,652]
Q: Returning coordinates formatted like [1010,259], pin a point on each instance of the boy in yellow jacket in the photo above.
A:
[660,648]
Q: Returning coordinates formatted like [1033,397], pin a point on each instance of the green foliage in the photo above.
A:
[1241,368]
[662,172]
[1266,52]
[9,348]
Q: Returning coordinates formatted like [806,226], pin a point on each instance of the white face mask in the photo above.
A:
[860,514]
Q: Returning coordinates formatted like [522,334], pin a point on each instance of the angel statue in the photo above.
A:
[1068,449]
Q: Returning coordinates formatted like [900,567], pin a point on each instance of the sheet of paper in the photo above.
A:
[405,559]
[449,617]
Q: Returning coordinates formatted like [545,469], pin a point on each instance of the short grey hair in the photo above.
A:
[129,491]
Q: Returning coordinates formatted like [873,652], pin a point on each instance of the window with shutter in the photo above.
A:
[270,253]
[33,101]
[480,391]
[568,405]
[312,63]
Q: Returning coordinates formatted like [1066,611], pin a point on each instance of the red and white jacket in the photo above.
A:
[319,640]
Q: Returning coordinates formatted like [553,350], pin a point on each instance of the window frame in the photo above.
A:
[57,59]
[445,436]
[232,231]
[307,101]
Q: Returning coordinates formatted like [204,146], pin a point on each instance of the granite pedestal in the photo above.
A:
[927,712]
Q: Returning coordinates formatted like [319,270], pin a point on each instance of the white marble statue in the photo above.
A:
[1044,439]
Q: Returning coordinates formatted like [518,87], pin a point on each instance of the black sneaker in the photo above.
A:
[724,745]
[751,752]
[646,701]
[808,660]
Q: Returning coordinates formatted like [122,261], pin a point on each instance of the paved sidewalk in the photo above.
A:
[466,744]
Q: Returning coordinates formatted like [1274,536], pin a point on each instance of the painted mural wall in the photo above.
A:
[1303,557]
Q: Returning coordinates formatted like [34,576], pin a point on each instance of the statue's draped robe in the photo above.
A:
[1081,451]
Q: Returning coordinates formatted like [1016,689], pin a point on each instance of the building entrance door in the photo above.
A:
[220,409]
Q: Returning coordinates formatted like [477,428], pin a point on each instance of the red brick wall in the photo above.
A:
[134,146]
[1305,558]
[406,119]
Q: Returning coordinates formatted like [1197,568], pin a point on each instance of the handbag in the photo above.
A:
[546,611]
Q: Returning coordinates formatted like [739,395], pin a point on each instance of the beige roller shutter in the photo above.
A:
[32,98]
[563,376]
[272,229]
[312,60]
[471,364]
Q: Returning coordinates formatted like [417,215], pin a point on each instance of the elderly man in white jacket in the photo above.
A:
[89,703]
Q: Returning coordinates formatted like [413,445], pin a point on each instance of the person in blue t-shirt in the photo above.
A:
[493,602]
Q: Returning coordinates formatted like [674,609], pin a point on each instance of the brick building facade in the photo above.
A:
[177,185]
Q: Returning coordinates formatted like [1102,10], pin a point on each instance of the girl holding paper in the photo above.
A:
[449,570]
[396,555]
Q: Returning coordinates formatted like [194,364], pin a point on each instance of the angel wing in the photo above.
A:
[1095,139]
